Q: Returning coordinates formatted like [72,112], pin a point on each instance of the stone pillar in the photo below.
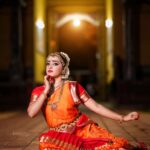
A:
[39,32]
[131,38]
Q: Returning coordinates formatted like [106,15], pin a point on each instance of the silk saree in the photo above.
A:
[68,128]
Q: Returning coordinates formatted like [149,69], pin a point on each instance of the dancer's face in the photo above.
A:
[54,66]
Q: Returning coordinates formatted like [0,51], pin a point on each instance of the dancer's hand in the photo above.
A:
[47,82]
[131,116]
[51,80]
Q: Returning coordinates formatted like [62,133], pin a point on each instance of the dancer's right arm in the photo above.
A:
[36,105]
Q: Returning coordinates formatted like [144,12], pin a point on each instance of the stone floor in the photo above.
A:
[19,132]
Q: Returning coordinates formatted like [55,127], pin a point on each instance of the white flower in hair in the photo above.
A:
[67,71]
[66,56]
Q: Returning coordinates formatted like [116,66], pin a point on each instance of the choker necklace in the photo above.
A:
[53,105]
[55,87]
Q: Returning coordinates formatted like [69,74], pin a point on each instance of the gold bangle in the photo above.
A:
[44,94]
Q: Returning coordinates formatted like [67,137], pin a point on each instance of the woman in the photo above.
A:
[69,129]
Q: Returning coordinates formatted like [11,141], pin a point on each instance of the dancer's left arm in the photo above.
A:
[104,111]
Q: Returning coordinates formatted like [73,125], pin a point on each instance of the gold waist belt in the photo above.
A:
[66,127]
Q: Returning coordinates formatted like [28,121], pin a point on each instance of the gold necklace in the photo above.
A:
[53,105]
[55,87]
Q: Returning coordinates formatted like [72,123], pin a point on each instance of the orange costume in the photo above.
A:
[69,129]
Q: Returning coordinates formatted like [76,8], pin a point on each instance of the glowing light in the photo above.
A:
[79,17]
[76,22]
[40,24]
[108,23]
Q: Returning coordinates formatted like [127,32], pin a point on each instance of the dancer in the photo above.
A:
[59,98]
